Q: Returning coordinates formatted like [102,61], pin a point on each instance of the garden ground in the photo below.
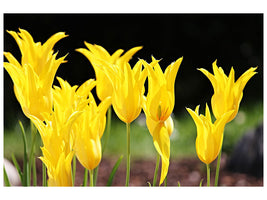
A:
[188,171]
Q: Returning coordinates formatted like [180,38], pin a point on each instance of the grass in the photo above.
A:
[182,139]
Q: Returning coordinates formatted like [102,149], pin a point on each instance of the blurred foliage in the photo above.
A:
[182,139]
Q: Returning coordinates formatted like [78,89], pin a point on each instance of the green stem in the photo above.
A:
[218,169]
[34,174]
[156,170]
[91,173]
[32,165]
[107,133]
[128,154]
[107,129]
[85,178]
[165,181]
[208,174]
[44,174]
[95,174]
[73,170]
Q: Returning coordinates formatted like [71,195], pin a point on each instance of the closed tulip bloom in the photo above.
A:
[228,93]
[209,136]
[88,130]
[34,76]
[158,106]
[96,55]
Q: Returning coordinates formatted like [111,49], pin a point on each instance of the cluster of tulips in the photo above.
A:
[71,124]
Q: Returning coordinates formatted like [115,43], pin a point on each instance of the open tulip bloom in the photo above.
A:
[227,93]
[57,133]
[96,55]
[34,76]
[209,136]
[158,106]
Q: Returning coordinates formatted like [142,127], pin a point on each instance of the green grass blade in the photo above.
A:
[15,162]
[26,181]
[116,166]
[7,182]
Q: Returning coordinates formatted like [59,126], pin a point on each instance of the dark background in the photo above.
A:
[233,39]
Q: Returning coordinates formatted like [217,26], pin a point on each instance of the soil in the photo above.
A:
[188,171]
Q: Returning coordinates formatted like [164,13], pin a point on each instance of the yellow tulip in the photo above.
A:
[158,106]
[57,130]
[96,55]
[160,96]
[128,89]
[88,130]
[161,132]
[57,150]
[34,76]
[209,136]
[227,93]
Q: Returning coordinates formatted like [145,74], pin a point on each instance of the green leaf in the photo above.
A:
[116,166]
[149,184]
[178,184]
[31,161]
[15,162]
[7,183]
[200,184]
[26,181]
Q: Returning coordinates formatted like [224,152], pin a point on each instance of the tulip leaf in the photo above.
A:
[149,184]
[178,184]
[26,181]
[7,183]
[200,184]
[116,166]
[15,162]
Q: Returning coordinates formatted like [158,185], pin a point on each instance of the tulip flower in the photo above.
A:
[158,106]
[227,93]
[34,76]
[57,150]
[209,136]
[57,131]
[128,89]
[96,54]
[161,132]
[88,130]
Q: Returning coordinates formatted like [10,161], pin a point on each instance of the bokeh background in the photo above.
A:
[233,39]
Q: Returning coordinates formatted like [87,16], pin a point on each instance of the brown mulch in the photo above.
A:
[188,171]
